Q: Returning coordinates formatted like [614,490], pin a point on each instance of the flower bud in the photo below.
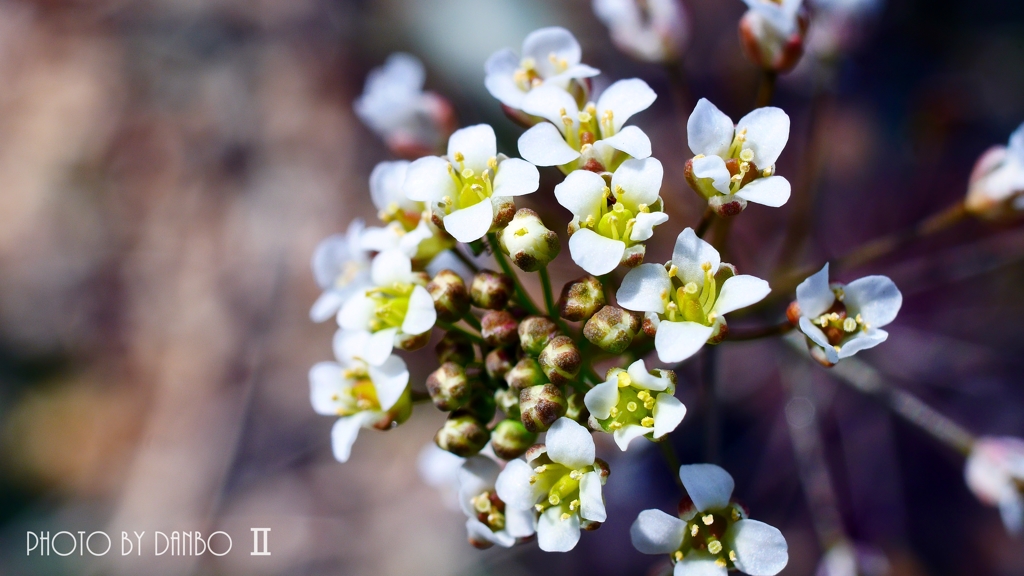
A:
[525,374]
[499,328]
[455,347]
[769,46]
[612,329]
[540,406]
[448,387]
[581,299]
[412,342]
[560,360]
[504,210]
[507,400]
[528,242]
[481,406]
[491,290]
[462,435]
[498,362]
[996,186]
[510,439]
[535,332]
[451,297]
[576,409]
[726,206]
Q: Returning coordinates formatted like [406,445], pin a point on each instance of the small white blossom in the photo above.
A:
[561,481]
[610,224]
[396,310]
[771,33]
[489,521]
[341,266]
[997,182]
[363,395]
[995,473]
[393,104]
[735,164]
[470,186]
[648,30]
[625,406]
[686,299]
[550,57]
[594,138]
[845,319]
[714,535]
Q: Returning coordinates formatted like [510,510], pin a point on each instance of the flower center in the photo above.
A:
[692,302]
[837,325]
[472,188]
[565,486]
[635,406]
[490,510]
[391,304]
[359,396]
[394,213]
[704,533]
[614,220]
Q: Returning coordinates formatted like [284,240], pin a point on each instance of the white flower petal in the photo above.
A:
[357,312]
[819,338]
[500,82]
[555,534]
[391,267]
[709,131]
[554,41]
[427,180]
[326,380]
[713,167]
[591,502]
[326,306]
[472,223]
[767,133]
[349,345]
[582,193]
[761,549]
[739,292]
[862,341]
[520,523]
[644,289]
[709,486]
[624,99]
[643,229]
[514,488]
[1011,510]
[547,101]
[379,346]
[813,295]
[623,436]
[476,475]
[698,567]
[344,433]
[668,413]
[595,253]
[690,254]
[330,256]
[655,532]
[1015,148]
[389,380]
[600,399]
[382,238]
[476,531]
[386,181]
[677,341]
[875,298]
[544,145]
[631,140]
[476,143]
[570,444]
[640,180]
[643,379]
[516,177]
[772,191]
[421,313]
[573,72]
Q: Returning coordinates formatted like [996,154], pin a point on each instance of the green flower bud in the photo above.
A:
[412,342]
[498,362]
[499,328]
[612,329]
[510,439]
[560,360]
[507,400]
[540,406]
[535,332]
[455,347]
[491,290]
[482,405]
[448,387]
[462,435]
[581,299]
[528,242]
[576,410]
[527,372]
[451,297]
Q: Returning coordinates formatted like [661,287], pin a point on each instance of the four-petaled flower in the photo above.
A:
[714,534]
[634,402]
[489,521]
[471,189]
[610,223]
[364,395]
[686,299]
[997,181]
[995,473]
[341,266]
[561,480]
[593,139]
[845,319]
[772,33]
[735,164]
[408,227]
[649,30]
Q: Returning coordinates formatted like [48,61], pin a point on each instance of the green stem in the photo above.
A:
[521,296]
[453,328]
[472,321]
[757,333]
[766,88]
[671,460]
[549,297]
[705,222]
[466,260]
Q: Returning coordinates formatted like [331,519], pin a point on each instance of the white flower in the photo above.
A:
[440,469]
[394,105]
[625,406]
[394,311]
[771,33]
[650,30]
[844,320]
[489,520]
[686,299]
[603,235]
[469,185]
[995,473]
[736,164]
[341,266]
[362,394]
[715,535]
[997,182]
[562,481]
[595,138]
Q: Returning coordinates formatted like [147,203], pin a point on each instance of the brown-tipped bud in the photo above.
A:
[510,439]
[581,299]
[702,186]
[451,297]
[612,329]
[726,206]
[462,435]
[504,209]
[498,362]
[527,372]
[650,324]
[529,243]
[540,406]
[793,313]
[507,400]
[412,342]
[491,290]
[768,46]
[576,409]
[499,328]
[535,332]
[560,360]
[448,387]
[455,347]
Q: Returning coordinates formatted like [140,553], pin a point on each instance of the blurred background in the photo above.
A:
[168,166]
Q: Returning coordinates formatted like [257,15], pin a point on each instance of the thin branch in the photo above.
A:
[672,461]
[705,222]
[709,378]
[466,260]
[766,88]
[453,328]
[757,333]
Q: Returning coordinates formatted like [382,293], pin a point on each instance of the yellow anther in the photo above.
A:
[615,425]
[459,157]
[647,422]
[364,404]
[540,469]
[732,555]
[698,156]
[849,324]
[649,403]
[574,505]
[619,191]
[720,562]
[565,517]
[678,555]
[590,222]
[643,208]
[694,530]
[673,270]
[492,163]
[837,348]
[735,514]
[768,172]
[591,109]
[715,547]
[747,155]
[859,319]
[533,479]
[631,406]
[528,64]
[708,519]
[614,412]
[562,112]
[705,266]
[840,294]
[643,395]
[623,379]
[538,507]
[833,317]
[575,475]
[335,397]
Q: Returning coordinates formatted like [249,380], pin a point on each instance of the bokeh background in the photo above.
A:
[168,166]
